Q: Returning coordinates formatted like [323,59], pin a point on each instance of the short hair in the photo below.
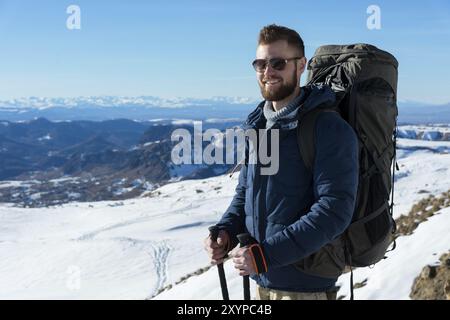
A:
[273,32]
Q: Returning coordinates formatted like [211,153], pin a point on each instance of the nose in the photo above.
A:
[269,70]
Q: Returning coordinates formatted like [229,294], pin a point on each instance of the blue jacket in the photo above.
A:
[295,212]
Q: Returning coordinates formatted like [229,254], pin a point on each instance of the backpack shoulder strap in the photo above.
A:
[306,134]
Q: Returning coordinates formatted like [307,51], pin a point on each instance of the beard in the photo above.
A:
[280,93]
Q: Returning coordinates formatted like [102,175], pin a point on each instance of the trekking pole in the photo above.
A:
[214,232]
[244,240]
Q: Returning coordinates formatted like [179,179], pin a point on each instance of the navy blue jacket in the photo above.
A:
[295,212]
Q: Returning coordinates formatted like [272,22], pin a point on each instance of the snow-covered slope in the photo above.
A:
[126,249]
[134,248]
[429,132]
[392,278]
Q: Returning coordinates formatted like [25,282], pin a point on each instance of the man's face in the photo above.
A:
[277,85]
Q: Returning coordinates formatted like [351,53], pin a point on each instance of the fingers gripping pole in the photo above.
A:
[244,240]
[214,232]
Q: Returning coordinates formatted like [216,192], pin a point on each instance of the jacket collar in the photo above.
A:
[315,95]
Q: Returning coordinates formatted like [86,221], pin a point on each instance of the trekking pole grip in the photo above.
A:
[214,233]
[245,239]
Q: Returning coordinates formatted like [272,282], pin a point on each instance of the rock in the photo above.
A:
[447,289]
[360,284]
[447,263]
[433,283]
[429,272]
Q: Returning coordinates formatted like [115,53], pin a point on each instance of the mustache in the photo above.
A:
[270,79]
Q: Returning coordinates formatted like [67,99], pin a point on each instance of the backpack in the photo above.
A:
[364,79]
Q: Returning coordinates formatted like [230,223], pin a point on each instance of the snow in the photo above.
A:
[150,143]
[422,167]
[180,122]
[36,196]
[181,170]
[122,191]
[393,277]
[10,184]
[16,184]
[407,133]
[123,252]
[429,132]
[148,186]
[131,249]
[64,179]
[432,135]
[74,195]
[42,103]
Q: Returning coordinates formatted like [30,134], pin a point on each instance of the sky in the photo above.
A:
[202,48]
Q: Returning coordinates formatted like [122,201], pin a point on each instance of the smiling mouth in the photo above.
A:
[271,82]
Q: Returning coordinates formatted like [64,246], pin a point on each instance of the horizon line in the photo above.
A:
[245,99]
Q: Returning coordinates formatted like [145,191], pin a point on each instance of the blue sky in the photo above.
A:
[203,48]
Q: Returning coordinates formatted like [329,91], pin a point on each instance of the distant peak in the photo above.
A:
[121,101]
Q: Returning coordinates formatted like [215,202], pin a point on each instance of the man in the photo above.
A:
[294,212]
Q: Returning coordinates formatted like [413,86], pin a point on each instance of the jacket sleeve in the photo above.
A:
[233,220]
[335,182]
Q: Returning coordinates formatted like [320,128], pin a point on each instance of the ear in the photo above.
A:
[301,66]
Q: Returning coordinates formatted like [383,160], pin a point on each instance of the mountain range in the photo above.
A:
[144,108]
[88,160]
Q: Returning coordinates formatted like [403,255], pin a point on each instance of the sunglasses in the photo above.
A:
[279,64]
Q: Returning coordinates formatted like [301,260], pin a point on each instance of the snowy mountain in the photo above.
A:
[117,101]
[136,108]
[152,246]
[411,112]
[104,160]
[429,132]
[150,107]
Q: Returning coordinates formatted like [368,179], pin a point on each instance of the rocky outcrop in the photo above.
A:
[433,283]
[420,212]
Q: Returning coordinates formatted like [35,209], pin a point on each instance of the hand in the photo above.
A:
[243,261]
[249,260]
[217,250]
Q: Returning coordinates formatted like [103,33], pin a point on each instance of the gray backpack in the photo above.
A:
[364,79]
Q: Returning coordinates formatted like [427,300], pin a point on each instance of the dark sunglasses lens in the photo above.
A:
[259,65]
[277,63]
